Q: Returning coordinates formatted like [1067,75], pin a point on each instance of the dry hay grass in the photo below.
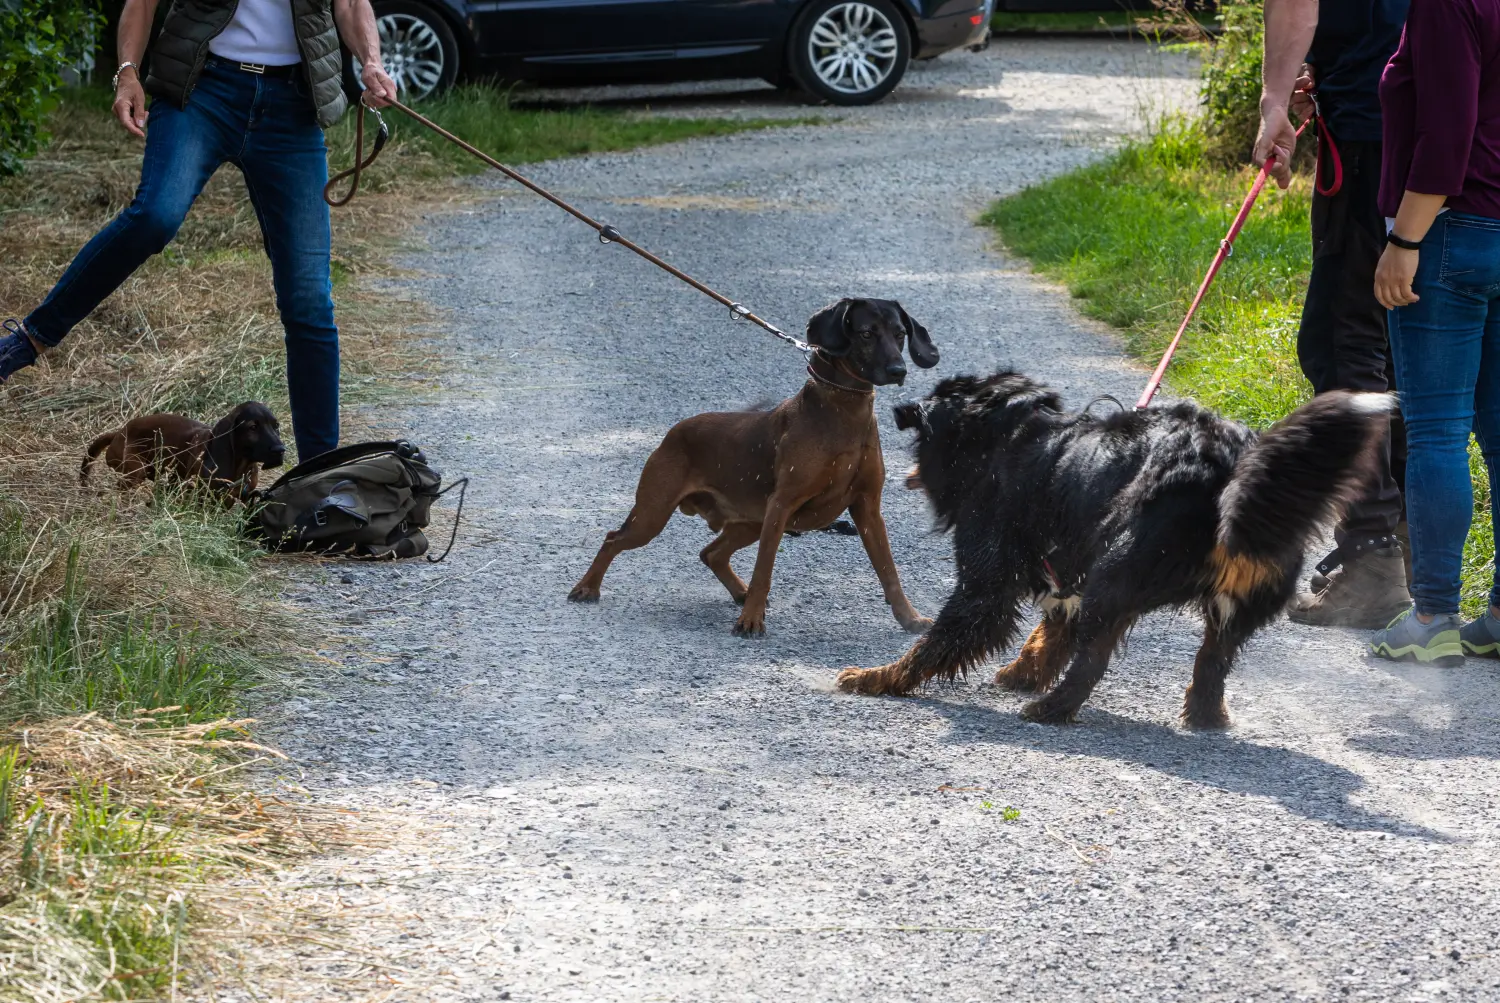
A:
[123,838]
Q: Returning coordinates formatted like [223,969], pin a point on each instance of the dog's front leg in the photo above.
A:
[752,621]
[976,621]
[871,525]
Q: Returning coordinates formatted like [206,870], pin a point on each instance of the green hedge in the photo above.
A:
[39,40]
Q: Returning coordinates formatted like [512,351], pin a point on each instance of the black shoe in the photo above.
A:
[16,350]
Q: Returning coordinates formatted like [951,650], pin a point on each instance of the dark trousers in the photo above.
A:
[1342,343]
[267,128]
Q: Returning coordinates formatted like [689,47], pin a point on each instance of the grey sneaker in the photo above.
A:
[1407,639]
[16,350]
[1482,637]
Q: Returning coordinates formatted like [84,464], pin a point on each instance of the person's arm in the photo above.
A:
[1398,265]
[130,45]
[1290,25]
[356,22]
[1445,60]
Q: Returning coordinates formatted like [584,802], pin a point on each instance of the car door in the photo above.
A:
[731,29]
[574,32]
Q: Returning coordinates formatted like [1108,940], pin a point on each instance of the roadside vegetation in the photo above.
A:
[1131,237]
[133,624]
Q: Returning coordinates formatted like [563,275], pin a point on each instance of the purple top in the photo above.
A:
[1440,98]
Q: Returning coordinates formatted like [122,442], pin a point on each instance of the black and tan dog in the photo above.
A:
[1101,520]
[753,475]
[226,456]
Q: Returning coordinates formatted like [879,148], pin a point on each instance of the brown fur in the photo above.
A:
[755,475]
[1238,575]
[227,455]
[1042,659]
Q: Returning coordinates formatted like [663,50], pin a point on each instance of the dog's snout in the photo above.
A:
[896,373]
[275,458]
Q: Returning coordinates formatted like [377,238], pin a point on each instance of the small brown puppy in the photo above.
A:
[226,456]
[753,475]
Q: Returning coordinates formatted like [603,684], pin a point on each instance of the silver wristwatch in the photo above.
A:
[114,84]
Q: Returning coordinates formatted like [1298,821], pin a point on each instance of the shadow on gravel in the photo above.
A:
[1303,784]
[1456,714]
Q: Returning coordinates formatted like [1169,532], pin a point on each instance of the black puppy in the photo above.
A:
[1100,520]
[753,475]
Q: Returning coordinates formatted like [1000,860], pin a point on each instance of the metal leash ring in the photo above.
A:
[609,235]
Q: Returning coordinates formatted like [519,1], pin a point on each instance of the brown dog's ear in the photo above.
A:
[826,328]
[923,352]
[219,461]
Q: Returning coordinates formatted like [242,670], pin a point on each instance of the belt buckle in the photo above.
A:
[256,68]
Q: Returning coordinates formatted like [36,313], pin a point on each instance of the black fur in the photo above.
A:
[1102,519]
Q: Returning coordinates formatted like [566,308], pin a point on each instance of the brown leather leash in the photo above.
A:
[607,234]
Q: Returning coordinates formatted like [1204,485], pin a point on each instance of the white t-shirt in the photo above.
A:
[260,32]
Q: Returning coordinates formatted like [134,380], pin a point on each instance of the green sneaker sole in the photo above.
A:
[1491,650]
[1445,649]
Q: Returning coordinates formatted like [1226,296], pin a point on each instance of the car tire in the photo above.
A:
[849,52]
[418,48]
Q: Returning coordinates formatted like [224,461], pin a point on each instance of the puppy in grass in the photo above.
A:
[1100,520]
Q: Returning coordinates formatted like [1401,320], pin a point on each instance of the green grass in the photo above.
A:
[1131,237]
[485,116]
[1005,22]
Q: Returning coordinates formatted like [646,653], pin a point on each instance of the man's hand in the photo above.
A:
[130,103]
[1302,101]
[1278,138]
[380,89]
[1393,277]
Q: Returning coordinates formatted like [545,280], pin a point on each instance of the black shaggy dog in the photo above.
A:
[1102,519]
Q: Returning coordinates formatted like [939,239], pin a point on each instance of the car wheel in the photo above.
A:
[417,47]
[850,52]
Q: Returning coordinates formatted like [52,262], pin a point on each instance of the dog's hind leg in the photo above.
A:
[1096,641]
[1043,657]
[1203,704]
[736,536]
[974,623]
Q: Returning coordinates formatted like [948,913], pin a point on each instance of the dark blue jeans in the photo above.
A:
[266,128]
[1447,352]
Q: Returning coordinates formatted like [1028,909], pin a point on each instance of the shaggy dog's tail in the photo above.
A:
[1299,476]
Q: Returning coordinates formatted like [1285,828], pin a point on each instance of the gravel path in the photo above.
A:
[623,802]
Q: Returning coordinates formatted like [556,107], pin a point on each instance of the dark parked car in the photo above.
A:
[841,51]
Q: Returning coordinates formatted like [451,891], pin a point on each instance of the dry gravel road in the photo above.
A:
[623,802]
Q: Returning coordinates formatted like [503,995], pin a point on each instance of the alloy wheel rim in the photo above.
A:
[412,53]
[853,48]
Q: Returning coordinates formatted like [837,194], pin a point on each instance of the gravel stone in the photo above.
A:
[1339,841]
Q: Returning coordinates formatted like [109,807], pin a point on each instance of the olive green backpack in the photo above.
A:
[370,500]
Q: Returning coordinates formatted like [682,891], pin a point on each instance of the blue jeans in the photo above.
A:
[265,127]
[1447,352]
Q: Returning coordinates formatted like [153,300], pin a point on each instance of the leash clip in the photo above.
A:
[608,234]
[739,311]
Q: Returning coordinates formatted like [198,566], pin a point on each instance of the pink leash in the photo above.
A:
[1226,248]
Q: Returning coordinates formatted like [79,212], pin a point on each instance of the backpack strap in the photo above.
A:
[463,486]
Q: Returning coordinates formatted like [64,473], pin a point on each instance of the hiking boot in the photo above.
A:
[1482,637]
[1407,639]
[16,350]
[1364,592]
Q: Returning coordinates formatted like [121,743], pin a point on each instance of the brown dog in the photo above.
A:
[753,475]
[226,456]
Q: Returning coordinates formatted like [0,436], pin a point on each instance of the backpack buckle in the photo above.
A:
[320,517]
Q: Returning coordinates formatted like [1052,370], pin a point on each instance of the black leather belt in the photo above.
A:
[286,72]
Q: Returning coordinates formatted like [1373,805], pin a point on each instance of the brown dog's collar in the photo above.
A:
[838,365]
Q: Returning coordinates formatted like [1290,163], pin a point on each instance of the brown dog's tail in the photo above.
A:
[99,445]
[1302,474]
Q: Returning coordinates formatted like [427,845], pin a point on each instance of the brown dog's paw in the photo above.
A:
[582,593]
[1049,711]
[1205,718]
[917,624]
[855,679]
[749,625]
